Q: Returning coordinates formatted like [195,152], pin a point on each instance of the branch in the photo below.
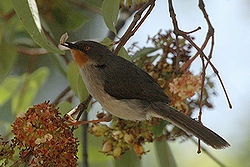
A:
[31,51]
[179,32]
[85,140]
[134,26]
[54,42]
[9,15]
[210,34]
[124,15]
[61,95]
[201,100]
[80,109]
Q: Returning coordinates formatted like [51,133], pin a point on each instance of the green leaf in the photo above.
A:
[76,82]
[129,159]
[8,56]
[64,107]
[66,16]
[7,88]
[164,154]
[27,12]
[61,16]
[144,52]
[110,10]
[158,129]
[5,6]
[107,42]
[31,84]
[123,53]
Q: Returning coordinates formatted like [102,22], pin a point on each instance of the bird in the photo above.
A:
[126,91]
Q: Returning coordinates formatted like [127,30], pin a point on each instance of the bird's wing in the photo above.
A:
[124,80]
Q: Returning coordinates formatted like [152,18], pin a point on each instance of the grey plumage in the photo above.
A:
[128,92]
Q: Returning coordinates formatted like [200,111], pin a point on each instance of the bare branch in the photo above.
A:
[134,26]
[31,51]
[177,32]
[61,95]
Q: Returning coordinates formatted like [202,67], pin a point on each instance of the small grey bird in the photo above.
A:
[128,92]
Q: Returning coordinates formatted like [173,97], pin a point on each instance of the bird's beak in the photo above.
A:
[69,45]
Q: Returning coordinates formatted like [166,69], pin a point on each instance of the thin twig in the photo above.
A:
[201,99]
[204,150]
[177,31]
[31,51]
[197,29]
[61,95]
[200,52]
[9,15]
[178,57]
[81,108]
[133,27]
[124,15]
[210,32]
[54,42]
[85,140]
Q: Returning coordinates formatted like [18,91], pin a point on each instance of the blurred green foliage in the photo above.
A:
[29,75]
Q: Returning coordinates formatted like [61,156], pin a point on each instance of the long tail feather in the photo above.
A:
[184,122]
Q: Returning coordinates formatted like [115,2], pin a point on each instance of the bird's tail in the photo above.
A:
[184,122]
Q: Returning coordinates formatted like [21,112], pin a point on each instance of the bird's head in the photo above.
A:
[88,52]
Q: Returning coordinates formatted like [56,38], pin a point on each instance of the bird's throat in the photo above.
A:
[80,57]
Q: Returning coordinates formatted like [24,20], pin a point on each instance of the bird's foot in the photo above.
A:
[106,118]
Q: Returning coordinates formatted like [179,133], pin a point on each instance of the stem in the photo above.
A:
[133,27]
[164,154]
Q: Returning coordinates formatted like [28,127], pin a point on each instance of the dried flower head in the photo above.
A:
[43,135]
[123,135]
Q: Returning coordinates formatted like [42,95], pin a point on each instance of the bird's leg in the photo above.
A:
[79,109]
[106,118]
[69,115]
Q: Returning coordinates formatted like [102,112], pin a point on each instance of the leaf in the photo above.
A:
[123,53]
[8,56]
[66,16]
[107,42]
[158,129]
[164,154]
[110,10]
[76,82]
[64,107]
[27,12]
[5,6]
[61,16]
[8,88]
[128,159]
[144,52]
[26,94]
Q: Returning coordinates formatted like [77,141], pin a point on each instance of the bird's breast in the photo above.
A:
[130,109]
[80,57]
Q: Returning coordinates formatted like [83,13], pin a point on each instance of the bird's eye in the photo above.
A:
[87,48]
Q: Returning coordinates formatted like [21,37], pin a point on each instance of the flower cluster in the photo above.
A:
[42,135]
[6,151]
[123,135]
[184,87]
